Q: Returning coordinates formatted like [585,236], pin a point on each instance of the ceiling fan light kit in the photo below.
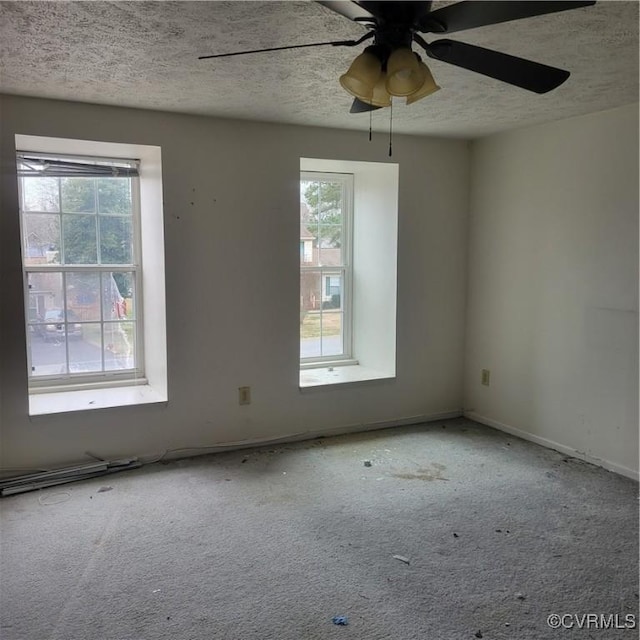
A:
[428,87]
[374,77]
[381,97]
[404,75]
[363,75]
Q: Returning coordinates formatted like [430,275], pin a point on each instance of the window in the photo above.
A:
[348,271]
[80,221]
[326,214]
[93,261]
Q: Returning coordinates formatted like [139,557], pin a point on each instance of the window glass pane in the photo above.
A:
[114,195]
[40,194]
[309,335]
[85,347]
[305,187]
[47,331]
[80,320]
[41,239]
[330,235]
[308,250]
[116,240]
[310,291]
[78,195]
[321,217]
[321,317]
[83,295]
[324,214]
[126,285]
[310,321]
[325,201]
[119,345]
[79,235]
[117,296]
[332,291]
[332,344]
[308,226]
[46,299]
[330,242]
[48,357]
[58,325]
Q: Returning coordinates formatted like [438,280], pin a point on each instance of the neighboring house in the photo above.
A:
[45,289]
[306,245]
[318,289]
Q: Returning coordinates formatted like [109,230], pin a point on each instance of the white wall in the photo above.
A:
[553,285]
[231,207]
[374,267]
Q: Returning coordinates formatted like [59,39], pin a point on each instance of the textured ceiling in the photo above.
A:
[144,54]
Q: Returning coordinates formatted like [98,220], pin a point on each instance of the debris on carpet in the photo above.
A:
[402,559]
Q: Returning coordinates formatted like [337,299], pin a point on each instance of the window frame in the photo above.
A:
[156,388]
[375,272]
[71,381]
[344,270]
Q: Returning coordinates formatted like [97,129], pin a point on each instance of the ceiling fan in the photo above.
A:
[389,67]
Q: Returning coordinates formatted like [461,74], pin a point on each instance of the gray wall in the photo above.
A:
[231,234]
[553,285]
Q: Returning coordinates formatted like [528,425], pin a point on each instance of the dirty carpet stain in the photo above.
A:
[428,474]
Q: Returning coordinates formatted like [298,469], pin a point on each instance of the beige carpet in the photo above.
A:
[273,543]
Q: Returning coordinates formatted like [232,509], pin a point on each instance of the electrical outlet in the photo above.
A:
[485,377]
[244,395]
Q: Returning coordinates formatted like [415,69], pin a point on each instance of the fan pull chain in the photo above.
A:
[370,120]
[391,129]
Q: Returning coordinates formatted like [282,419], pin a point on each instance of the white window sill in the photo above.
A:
[326,376]
[86,399]
[317,364]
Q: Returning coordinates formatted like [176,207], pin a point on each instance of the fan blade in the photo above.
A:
[348,9]
[526,74]
[361,107]
[334,43]
[479,13]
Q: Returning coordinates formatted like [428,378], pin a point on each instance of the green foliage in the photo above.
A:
[115,240]
[82,199]
[124,282]
[79,232]
[324,214]
[78,195]
[85,195]
[114,195]
[312,327]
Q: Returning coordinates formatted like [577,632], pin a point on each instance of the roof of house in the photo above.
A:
[305,234]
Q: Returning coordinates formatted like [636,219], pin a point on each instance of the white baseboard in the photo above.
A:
[551,444]
[186,452]
[400,422]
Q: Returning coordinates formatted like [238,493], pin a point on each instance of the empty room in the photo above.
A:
[319,320]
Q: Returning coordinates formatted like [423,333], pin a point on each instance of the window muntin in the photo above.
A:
[81,259]
[326,218]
